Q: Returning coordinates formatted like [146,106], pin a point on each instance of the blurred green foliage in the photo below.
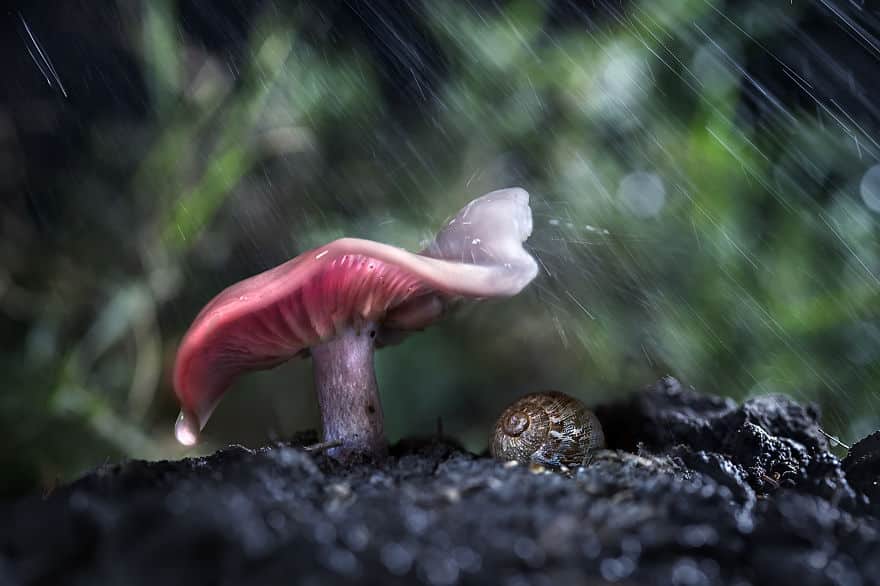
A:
[676,233]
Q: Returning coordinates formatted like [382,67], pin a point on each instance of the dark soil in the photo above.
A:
[697,491]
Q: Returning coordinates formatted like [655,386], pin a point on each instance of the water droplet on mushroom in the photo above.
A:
[185,430]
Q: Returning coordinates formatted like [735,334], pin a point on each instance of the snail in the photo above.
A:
[547,428]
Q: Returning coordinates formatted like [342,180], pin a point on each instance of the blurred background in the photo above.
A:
[704,178]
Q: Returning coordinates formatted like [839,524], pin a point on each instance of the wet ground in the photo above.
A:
[697,490]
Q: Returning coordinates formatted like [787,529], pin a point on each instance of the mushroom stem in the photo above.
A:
[348,396]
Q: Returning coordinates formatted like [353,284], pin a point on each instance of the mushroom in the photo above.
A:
[337,303]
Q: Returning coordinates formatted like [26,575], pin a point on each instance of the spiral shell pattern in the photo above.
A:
[547,428]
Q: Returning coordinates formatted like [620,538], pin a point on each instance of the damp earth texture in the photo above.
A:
[693,490]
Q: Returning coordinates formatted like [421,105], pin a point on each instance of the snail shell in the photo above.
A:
[548,428]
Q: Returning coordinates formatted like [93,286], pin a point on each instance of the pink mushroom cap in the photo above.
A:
[271,317]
